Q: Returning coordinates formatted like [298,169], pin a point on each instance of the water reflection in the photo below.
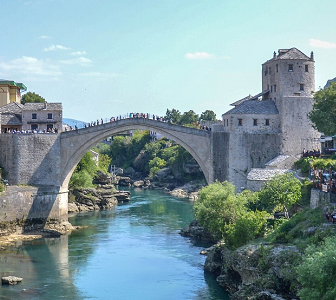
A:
[132,252]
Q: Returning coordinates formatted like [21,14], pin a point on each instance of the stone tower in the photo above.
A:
[289,80]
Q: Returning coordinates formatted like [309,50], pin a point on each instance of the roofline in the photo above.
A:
[13,83]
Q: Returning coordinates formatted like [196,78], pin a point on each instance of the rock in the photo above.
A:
[245,272]
[130,172]
[162,174]
[72,208]
[191,167]
[180,193]
[194,230]
[123,181]
[138,183]
[102,178]
[11,280]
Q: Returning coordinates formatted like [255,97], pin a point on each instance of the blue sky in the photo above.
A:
[103,58]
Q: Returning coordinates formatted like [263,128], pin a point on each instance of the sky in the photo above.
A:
[103,58]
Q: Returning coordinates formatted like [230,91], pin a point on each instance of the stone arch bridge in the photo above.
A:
[45,163]
[75,143]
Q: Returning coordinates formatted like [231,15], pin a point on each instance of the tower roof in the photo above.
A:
[292,53]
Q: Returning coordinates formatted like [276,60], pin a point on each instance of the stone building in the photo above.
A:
[42,116]
[271,125]
[15,116]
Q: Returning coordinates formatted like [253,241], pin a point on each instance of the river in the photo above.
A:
[131,252]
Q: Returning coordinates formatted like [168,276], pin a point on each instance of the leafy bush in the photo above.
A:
[280,193]
[304,165]
[317,272]
[81,179]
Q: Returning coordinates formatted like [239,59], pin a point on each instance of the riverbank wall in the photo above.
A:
[27,208]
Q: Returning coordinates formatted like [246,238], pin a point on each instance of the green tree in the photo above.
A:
[208,115]
[323,115]
[32,97]
[317,272]
[189,118]
[173,116]
[217,206]
[280,193]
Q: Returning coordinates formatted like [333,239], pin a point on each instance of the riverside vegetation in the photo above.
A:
[270,244]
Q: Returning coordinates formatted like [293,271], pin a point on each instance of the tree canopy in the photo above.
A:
[32,97]
[208,115]
[323,115]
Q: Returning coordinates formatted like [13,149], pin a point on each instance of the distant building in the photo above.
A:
[10,91]
[14,116]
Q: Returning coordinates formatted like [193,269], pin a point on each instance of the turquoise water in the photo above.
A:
[132,252]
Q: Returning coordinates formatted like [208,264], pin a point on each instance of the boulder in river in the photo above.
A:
[11,280]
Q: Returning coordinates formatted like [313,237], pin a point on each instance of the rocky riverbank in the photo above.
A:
[101,198]
[254,271]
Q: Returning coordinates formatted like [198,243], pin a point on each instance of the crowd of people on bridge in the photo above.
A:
[53,130]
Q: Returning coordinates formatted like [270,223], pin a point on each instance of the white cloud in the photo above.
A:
[322,44]
[78,53]
[77,61]
[55,47]
[29,65]
[200,55]
[44,37]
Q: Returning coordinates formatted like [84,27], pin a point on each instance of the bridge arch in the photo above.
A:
[74,144]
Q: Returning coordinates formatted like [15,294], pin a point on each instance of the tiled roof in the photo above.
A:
[10,119]
[14,108]
[259,174]
[241,100]
[292,53]
[42,106]
[255,107]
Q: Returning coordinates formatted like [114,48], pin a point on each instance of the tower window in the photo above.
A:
[306,68]
[227,122]
[271,88]
[275,88]
[269,70]
[301,87]
[255,122]
[34,116]
[266,70]
[267,122]
[290,68]
[277,68]
[49,116]
[240,122]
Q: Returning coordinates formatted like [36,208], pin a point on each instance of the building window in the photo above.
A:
[271,88]
[34,126]
[277,68]
[49,116]
[290,68]
[275,88]
[268,87]
[267,122]
[266,71]
[240,122]
[34,116]
[227,122]
[301,87]
[255,122]
[306,68]
[269,70]
[50,127]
